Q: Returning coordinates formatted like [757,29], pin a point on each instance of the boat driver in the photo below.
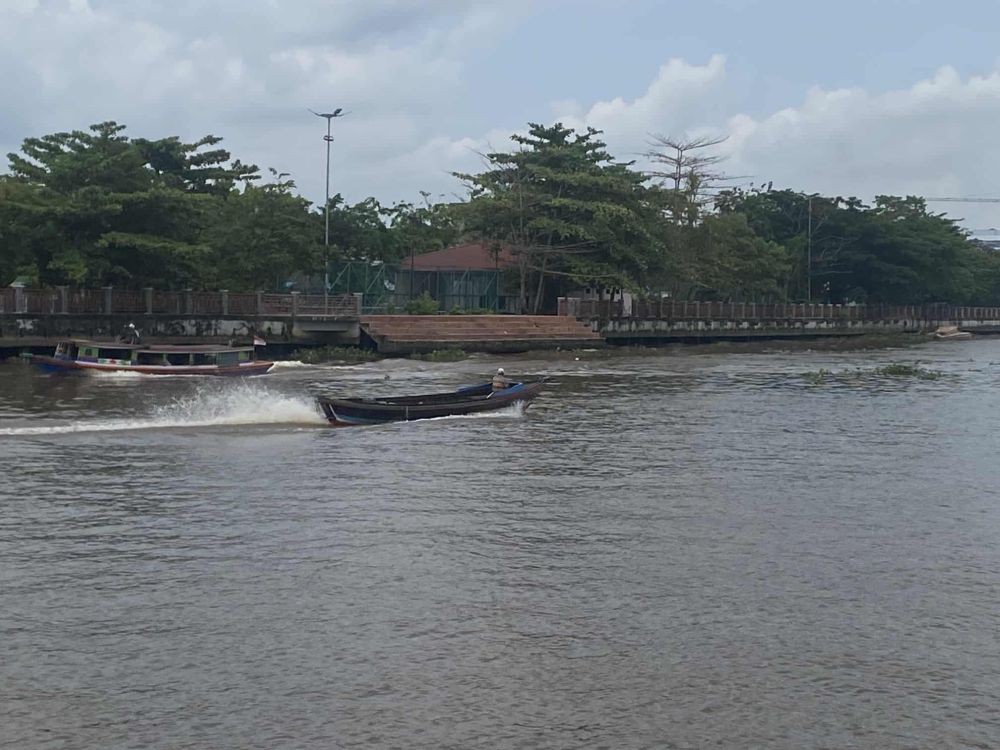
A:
[500,381]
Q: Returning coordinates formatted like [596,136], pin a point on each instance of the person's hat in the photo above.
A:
[499,371]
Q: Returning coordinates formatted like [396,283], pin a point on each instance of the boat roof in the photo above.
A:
[162,348]
[193,348]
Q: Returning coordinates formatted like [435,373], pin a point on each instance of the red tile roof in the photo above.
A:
[473,256]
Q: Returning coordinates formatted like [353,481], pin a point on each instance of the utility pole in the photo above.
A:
[809,255]
[338,112]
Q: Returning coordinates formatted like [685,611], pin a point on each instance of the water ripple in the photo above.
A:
[669,550]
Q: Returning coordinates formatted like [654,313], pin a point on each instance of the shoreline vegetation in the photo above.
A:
[97,207]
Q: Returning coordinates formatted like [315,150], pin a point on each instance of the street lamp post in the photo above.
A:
[809,255]
[338,112]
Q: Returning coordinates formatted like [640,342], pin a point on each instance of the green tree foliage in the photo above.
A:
[261,236]
[423,228]
[894,251]
[736,264]
[359,232]
[368,231]
[96,207]
[27,230]
[565,208]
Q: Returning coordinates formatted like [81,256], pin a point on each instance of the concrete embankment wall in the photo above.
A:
[630,330]
[666,320]
[35,317]
[180,328]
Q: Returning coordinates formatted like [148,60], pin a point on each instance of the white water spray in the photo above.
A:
[244,404]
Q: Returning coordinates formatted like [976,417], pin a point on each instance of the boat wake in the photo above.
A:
[244,405]
[517,410]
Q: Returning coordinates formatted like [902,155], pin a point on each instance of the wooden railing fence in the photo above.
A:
[672,310]
[111,301]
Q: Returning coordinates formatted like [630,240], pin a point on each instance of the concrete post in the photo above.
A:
[148,291]
[107,300]
[359,302]
[225,301]
[188,301]
[63,299]
[295,304]
[20,300]
[260,303]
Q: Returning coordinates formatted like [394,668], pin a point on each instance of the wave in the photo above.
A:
[516,410]
[244,405]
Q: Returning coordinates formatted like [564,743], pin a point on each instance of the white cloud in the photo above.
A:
[248,69]
[934,138]
[681,97]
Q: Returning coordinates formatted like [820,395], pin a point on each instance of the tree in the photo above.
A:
[737,264]
[261,236]
[185,167]
[116,211]
[688,171]
[423,228]
[566,210]
[894,251]
[360,232]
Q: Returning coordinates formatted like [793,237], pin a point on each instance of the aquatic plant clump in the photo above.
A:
[350,355]
[903,370]
[451,354]
[894,371]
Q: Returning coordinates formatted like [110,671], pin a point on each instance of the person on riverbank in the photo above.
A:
[130,335]
[500,381]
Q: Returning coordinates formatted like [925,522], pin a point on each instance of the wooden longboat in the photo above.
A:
[344,412]
[78,355]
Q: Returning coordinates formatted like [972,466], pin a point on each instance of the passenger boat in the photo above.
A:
[473,400]
[76,355]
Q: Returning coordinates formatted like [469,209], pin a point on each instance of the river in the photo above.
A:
[687,548]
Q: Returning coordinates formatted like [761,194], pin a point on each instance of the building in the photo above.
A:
[465,277]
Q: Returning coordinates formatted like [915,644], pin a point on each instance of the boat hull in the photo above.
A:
[478,400]
[57,364]
[951,333]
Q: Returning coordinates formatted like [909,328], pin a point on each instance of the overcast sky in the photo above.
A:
[854,97]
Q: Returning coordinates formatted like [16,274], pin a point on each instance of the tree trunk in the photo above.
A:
[541,286]
[521,306]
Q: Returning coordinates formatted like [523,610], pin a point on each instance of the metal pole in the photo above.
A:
[326,234]
[809,253]
[328,139]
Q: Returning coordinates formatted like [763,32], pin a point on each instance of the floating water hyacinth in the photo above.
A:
[894,371]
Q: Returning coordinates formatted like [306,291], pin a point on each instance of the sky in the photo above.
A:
[855,97]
